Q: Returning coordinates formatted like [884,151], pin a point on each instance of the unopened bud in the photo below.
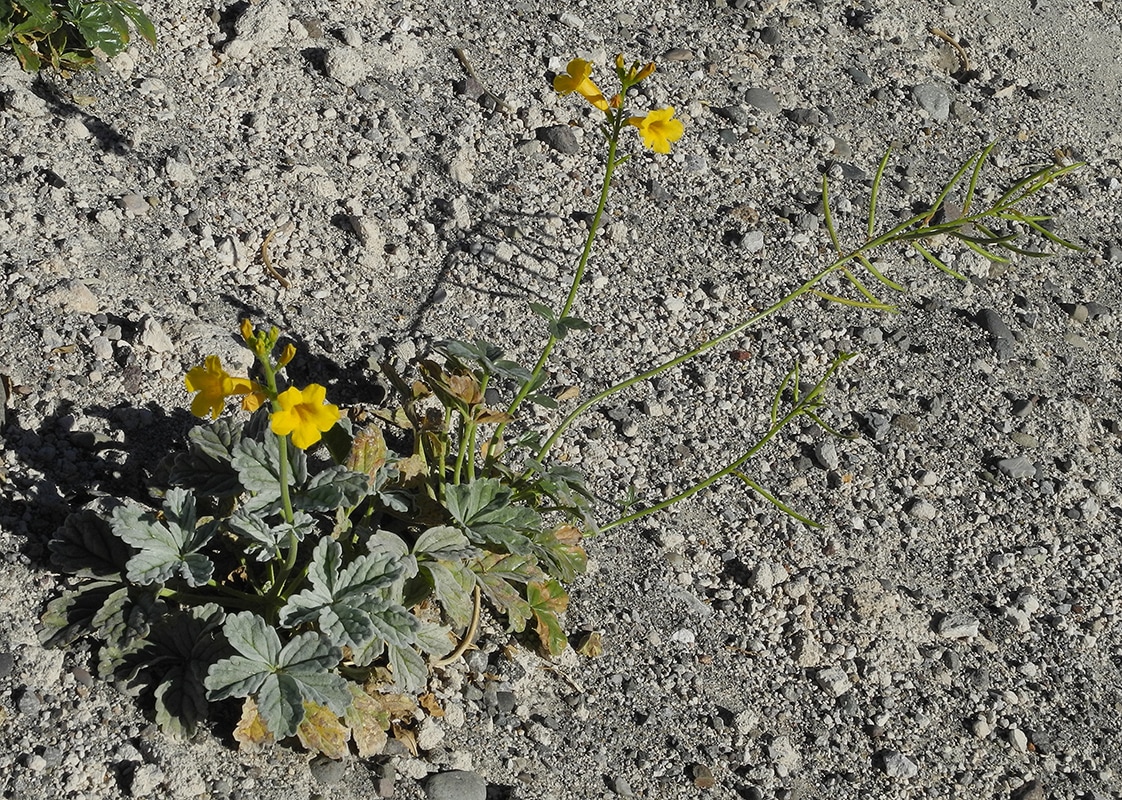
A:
[247,330]
[645,72]
[287,354]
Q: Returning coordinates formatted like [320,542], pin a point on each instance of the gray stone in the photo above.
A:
[1017,467]
[737,115]
[134,204]
[898,765]
[1001,337]
[958,626]
[345,65]
[826,454]
[560,138]
[73,295]
[621,787]
[810,117]
[327,771]
[752,241]
[923,510]
[262,26]
[935,99]
[1018,739]
[153,337]
[762,99]
[102,348]
[455,785]
[833,680]
[1033,790]
[368,231]
[145,780]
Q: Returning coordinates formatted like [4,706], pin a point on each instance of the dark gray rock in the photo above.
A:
[1001,338]
[328,771]
[560,138]
[762,99]
[935,99]
[455,785]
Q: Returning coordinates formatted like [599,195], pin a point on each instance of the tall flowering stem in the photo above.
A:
[577,81]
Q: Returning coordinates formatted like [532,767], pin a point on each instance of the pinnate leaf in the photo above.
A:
[410,672]
[342,599]
[267,540]
[444,543]
[333,488]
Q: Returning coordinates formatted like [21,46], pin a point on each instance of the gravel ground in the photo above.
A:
[951,631]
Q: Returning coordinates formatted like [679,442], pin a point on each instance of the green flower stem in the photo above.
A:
[474,428]
[808,286]
[234,598]
[286,497]
[461,450]
[805,404]
[618,120]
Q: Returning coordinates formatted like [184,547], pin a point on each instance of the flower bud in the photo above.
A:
[645,72]
[286,355]
[247,330]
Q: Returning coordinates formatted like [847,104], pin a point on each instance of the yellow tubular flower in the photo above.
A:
[658,129]
[577,80]
[304,414]
[213,385]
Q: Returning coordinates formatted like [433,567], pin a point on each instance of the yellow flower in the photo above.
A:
[213,385]
[658,129]
[304,414]
[577,80]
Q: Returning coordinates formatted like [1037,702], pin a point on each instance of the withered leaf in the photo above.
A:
[251,731]
[591,645]
[568,393]
[430,704]
[322,732]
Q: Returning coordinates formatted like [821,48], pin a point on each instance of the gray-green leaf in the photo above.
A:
[333,488]
[166,548]
[282,678]
[86,546]
[342,598]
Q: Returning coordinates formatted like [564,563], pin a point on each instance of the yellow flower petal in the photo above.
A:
[213,385]
[576,79]
[304,415]
[658,129]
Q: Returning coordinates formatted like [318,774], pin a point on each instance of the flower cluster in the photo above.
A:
[658,128]
[302,414]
